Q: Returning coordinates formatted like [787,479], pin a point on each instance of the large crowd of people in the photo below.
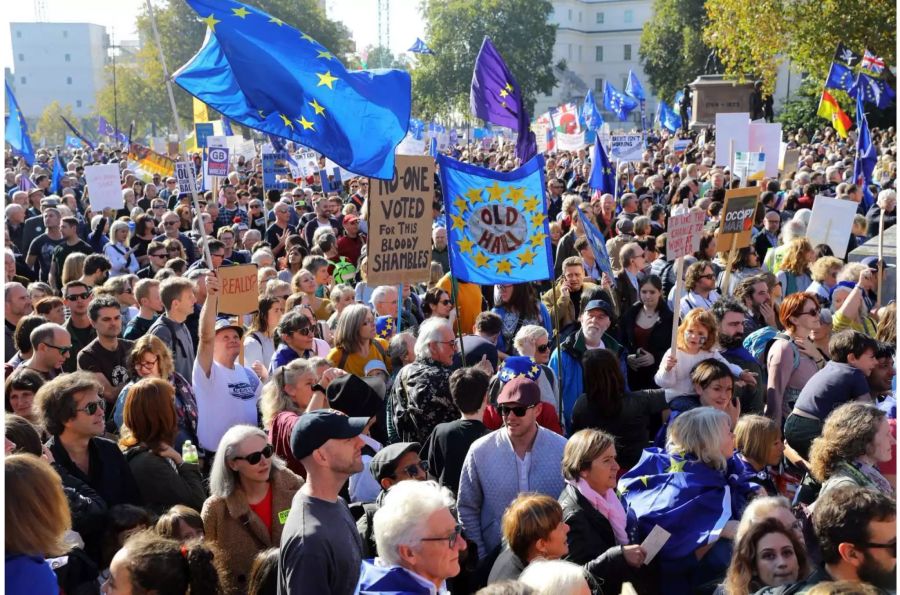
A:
[583,434]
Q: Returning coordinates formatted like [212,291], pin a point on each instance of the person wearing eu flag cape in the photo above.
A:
[689,489]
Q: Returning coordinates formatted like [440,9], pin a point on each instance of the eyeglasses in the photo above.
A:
[62,350]
[706,277]
[814,312]
[159,255]
[170,223]
[413,470]
[891,547]
[517,411]
[92,407]
[146,364]
[305,331]
[255,457]
[543,348]
[79,296]
[451,343]
[451,539]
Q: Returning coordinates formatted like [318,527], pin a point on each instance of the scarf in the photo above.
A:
[608,505]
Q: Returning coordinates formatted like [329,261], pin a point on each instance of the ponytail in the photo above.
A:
[203,577]
[163,565]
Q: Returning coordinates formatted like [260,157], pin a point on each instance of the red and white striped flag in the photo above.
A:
[872,63]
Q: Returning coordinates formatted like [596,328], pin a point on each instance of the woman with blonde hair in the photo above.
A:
[37,518]
[174,249]
[759,448]
[73,268]
[355,343]
[886,331]
[824,272]
[794,274]
[120,254]
[304,282]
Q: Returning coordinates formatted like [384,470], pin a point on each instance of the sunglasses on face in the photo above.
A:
[255,457]
[413,470]
[543,348]
[79,296]
[92,407]
[517,411]
[813,312]
[158,255]
[305,331]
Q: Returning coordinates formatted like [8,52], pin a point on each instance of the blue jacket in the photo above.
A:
[568,358]
[29,575]
[388,579]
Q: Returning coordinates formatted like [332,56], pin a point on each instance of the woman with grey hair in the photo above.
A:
[355,343]
[120,256]
[249,488]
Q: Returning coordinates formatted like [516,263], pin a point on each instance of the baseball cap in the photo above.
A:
[871,262]
[226,323]
[50,201]
[384,463]
[351,219]
[314,429]
[601,304]
[520,391]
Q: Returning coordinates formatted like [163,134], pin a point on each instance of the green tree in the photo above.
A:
[181,34]
[50,126]
[800,110]
[381,57]
[672,50]
[754,38]
[455,29]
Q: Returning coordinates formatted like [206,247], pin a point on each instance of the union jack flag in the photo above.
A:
[872,63]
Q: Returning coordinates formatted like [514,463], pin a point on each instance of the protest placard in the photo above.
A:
[749,165]
[184,173]
[626,147]
[104,186]
[411,145]
[274,164]
[732,134]
[831,223]
[400,217]
[790,163]
[683,234]
[240,289]
[569,142]
[202,131]
[217,162]
[736,218]
[766,138]
[307,162]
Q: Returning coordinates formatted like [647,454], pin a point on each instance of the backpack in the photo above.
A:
[759,343]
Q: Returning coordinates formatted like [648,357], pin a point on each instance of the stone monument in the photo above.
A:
[714,94]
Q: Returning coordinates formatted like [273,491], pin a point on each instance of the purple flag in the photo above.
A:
[496,98]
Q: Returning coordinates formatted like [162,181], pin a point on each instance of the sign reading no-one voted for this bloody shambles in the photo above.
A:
[400,217]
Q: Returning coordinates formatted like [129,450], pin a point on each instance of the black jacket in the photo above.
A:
[660,339]
[507,567]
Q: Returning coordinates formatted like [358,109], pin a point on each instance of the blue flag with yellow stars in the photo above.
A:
[872,90]
[598,245]
[17,129]
[603,176]
[617,102]
[263,73]
[497,224]
[839,77]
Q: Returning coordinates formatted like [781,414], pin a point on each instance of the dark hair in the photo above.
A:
[489,323]
[726,305]
[822,250]
[99,303]
[656,282]
[56,399]
[122,521]
[24,435]
[166,566]
[431,299]
[844,343]
[746,552]
[141,223]
[884,350]
[692,276]
[842,515]
[22,379]
[603,381]
[708,371]
[22,335]
[260,322]
[215,245]
[96,263]
[744,289]
[468,387]
[167,524]
[523,301]
[264,573]
[292,322]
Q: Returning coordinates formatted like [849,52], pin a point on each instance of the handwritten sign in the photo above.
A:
[184,173]
[240,289]
[626,147]
[737,217]
[104,186]
[683,234]
[400,223]
[217,163]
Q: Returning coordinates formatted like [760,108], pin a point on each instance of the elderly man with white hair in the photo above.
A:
[887,204]
[419,542]
[15,224]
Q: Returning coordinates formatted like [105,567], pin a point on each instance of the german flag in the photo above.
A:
[831,110]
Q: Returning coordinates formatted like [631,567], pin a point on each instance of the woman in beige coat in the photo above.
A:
[251,495]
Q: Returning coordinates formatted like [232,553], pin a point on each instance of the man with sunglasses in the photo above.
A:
[77,297]
[171,223]
[156,252]
[519,457]
[51,347]
[700,284]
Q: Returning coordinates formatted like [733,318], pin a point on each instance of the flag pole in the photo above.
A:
[196,199]
[559,377]
[880,258]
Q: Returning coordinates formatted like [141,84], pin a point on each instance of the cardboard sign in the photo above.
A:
[683,234]
[217,162]
[184,173]
[731,127]
[736,219]
[202,131]
[790,163]
[626,147]
[274,164]
[400,218]
[766,138]
[240,289]
[831,223]
[749,166]
[104,186]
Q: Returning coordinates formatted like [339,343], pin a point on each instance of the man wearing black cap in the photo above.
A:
[321,550]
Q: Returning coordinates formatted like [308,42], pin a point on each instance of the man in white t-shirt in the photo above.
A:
[226,391]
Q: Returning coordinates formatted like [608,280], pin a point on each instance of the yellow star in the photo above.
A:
[526,258]
[326,79]
[515,193]
[211,21]
[287,121]
[531,205]
[458,222]
[240,12]
[503,103]
[508,87]
[326,55]
[320,111]
[644,479]
[503,92]
[261,114]
[538,220]
[278,22]
[307,125]
[537,240]
[474,195]
[534,369]
[675,466]
[496,191]
[481,260]
[460,204]
[308,38]
[465,245]
[504,266]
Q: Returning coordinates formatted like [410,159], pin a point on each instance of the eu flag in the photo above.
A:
[17,130]
[497,224]
[262,73]
[617,102]
[59,170]
[866,156]
[495,97]
[839,77]
[634,88]
[603,176]
[419,47]
[872,90]
[598,245]
[77,134]
[591,113]
[668,119]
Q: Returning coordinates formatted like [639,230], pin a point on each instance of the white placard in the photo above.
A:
[749,165]
[184,173]
[104,186]
[626,147]
[569,142]
[654,542]
[411,146]
[767,136]
[731,127]
[831,223]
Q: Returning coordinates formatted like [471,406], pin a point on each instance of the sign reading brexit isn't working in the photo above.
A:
[400,217]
